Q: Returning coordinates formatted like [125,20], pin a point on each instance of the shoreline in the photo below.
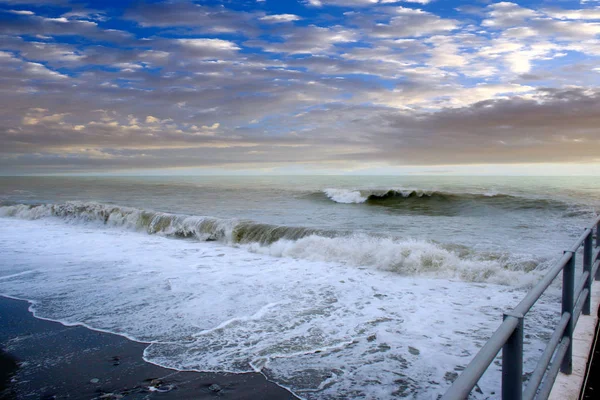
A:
[45,359]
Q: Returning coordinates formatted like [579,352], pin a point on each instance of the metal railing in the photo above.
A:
[558,353]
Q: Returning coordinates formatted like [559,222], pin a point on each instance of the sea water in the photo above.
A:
[331,286]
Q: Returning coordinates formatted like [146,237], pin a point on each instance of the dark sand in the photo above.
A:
[46,360]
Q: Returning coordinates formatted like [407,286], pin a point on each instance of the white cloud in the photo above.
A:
[21,12]
[408,22]
[276,18]
[359,3]
[446,96]
[212,127]
[211,44]
[37,69]
[36,116]
[308,40]
[506,14]
[589,13]
[571,30]
[446,53]
[62,20]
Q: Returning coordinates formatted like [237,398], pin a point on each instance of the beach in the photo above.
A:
[46,360]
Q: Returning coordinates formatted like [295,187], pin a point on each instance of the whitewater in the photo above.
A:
[333,287]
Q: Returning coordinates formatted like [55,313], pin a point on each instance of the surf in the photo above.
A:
[404,256]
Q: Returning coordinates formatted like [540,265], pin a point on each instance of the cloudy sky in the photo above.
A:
[299,86]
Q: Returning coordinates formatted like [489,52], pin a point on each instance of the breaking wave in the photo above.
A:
[231,231]
[403,256]
[441,199]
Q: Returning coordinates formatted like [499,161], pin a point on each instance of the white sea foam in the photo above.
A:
[345,196]
[406,257]
[321,328]
[403,256]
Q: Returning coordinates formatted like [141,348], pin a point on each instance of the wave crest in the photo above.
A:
[403,256]
[441,199]
[233,231]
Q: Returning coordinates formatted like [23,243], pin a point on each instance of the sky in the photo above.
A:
[300,86]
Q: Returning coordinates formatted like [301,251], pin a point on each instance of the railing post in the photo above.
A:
[567,307]
[588,250]
[512,362]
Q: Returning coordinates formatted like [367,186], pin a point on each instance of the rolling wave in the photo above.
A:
[232,231]
[403,256]
[442,199]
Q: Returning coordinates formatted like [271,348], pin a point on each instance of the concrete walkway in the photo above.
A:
[591,390]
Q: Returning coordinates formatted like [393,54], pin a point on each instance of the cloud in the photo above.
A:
[278,18]
[408,22]
[31,24]
[359,3]
[21,12]
[208,44]
[12,67]
[198,18]
[211,127]
[186,84]
[37,2]
[582,14]
[306,40]
[507,14]
[500,131]
[523,130]
[444,96]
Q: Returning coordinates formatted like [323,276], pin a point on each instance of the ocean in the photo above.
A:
[331,286]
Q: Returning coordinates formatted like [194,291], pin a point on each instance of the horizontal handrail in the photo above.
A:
[561,351]
[579,305]
[468,378]
[579,241]
[536,292]
[509,337]
[582,282]
[538,373]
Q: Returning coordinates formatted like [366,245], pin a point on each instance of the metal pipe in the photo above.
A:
[578,307]
[463,385]
[581,284]
[512,362]
[567,307]
[554,367]
[534,294]
[596,270]
[588,249]
[596,259]
[540,370]
[581,239]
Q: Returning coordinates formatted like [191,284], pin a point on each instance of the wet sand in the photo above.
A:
[46,360]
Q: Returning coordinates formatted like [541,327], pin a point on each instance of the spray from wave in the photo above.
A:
[403,256]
